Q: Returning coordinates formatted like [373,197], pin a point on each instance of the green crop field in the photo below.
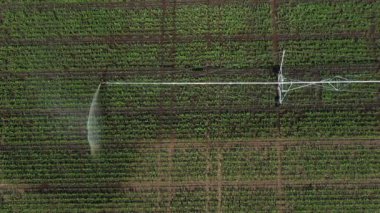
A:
[188,148]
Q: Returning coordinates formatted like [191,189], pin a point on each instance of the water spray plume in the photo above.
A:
[93,130]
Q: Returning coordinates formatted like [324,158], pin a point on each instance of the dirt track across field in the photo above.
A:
[255,184]
[20,188]
[162,186]
[150,146]
[146,37]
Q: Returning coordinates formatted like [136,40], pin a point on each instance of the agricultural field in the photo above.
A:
[188,148]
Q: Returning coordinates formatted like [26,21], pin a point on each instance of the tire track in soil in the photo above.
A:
[208,170]
[148,146]
[366,108]
[10,193]
[161,110]
[219,179]
[172,62]
[281,200]
[275,53]
[208,34]
[318,106]
[77,74]
[163,30]
[160,176]
[173,49]
[2,19]
[172,191]
[171,149]
[160,161]
[275,36]
[18,188]
[159,185]
[208,146]
[207,150]
[353,184]
[148,37]
[372,35]
[165,186]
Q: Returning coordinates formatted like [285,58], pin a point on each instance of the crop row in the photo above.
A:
[53,58]
[44,97]
[306,53]
[194,98]
[226,55]
[190,20]
[152,201]
[194,126]
[309,162]
[327,17]
[200,200]
[239,125]
[330,199]
[237,163]
[302,162]
[123,123]
[36,93]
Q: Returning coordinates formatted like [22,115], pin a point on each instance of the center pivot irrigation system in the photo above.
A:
[284,86]
[336,83]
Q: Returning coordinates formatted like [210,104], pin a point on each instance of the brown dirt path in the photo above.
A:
[20,188]
[165,144]
[281,198]
[275,36]
[154,38]
[207,152]
[220,179]
[77,74]
[208,180]
[372,35]
[172,191]
[164,186]
[254,184]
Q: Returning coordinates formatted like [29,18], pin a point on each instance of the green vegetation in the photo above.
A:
[181,148]
[332,199]
[322,17]
[318,162]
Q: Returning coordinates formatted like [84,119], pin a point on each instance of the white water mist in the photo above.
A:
[93,129]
